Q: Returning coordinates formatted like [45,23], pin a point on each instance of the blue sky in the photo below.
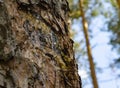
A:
[101,49]
[102,53]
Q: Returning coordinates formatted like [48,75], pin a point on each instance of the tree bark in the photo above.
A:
[35,48]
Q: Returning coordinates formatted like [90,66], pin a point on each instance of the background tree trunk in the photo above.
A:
[35,48]
[89,51]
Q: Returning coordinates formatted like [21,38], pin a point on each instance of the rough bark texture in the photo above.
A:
[35,48]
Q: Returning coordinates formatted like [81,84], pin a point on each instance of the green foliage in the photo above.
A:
[74,8]
[114,27]
[113,3]
[95,13]
[76,14]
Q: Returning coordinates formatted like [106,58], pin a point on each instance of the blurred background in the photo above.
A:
[95,30]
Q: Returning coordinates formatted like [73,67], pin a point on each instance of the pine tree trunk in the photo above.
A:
[35,48]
